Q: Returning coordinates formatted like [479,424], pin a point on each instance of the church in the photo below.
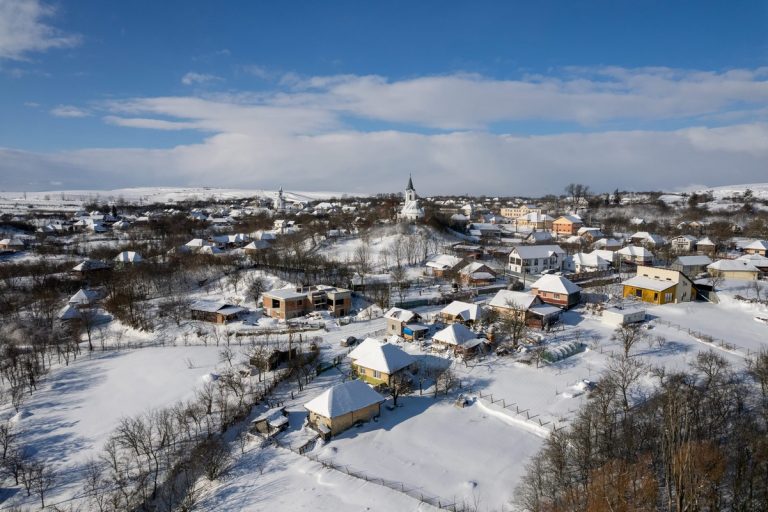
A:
[411,210]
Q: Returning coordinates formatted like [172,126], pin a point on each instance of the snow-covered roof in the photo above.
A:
[197,242]
[705,241]
[555,284]
[84,297]
[400,314]
[574,219]
[733,266]
[90,265]
[513,299]
[689,261]
[68,312]
[344,398]
[687,238]
[527,252]
[285,293]
[464,310]
[455,334]
[128,257]
[607,242]
[211,306]
[633,250]
[589,259]
[443,261]
[759,245]
[648,283]
[755,259]
[12,242]
[382,357]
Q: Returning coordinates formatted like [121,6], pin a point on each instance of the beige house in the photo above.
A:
[659,286]
[519,211]
[757,247]
[290,303]
[742,270]
[460,312]
[340,407]
[534,220]
[377,363]
[216,312]
[11,244]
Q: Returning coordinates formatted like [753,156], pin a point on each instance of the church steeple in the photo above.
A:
[410,183]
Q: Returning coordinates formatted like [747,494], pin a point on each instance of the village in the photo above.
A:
[194,351]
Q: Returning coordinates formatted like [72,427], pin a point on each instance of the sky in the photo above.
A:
[495,98]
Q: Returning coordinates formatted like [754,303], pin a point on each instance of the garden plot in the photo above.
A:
[465,455]
[68,419]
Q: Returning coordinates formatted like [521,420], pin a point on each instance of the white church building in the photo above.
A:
[411,210]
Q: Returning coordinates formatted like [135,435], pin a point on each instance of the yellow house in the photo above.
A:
[342,406]
[376,362]
[659,286]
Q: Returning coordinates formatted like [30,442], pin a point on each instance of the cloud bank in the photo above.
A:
[650,128]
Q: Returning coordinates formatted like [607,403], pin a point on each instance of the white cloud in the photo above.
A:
[305,135]
[193,78]
[23,29]
[69,111]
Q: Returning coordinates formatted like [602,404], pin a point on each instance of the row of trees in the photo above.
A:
[696,442]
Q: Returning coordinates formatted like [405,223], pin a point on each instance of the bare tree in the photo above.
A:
[628,335]
[624,372]
[399,384]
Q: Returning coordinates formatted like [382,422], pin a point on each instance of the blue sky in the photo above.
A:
[353,95]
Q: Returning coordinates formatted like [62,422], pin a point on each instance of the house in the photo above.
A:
[377,363]
[468,251]
[342,406]
[624,315]
[84,298]
[270,422]
[706,246]
[742,270]
[256,247]
[757,247]
[460,312]
[607,244]
[635,255]
[539,237]
[288,303]
[485,230]
[590,234]
[567,225]
[533,259]
[89,266]
[585,262]
[477,273]
[647,239]
[196,244]
[458,339]
[659,286]
[524,306]
[11,245]
[128,257]
[534,220]
[691,265]
[442,264]
[519,211]
[612,257]
[405,323]
[761,262]
[683,243]
[557,290]
[216,312]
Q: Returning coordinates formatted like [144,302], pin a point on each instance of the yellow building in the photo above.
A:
[376,362]
[659,286]
[342,406]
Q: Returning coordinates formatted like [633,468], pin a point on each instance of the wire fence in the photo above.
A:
[305,448]
[710,340]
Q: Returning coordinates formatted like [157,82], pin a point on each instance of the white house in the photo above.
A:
[534,259]
[585,262]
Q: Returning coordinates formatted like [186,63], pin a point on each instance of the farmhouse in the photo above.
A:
[402,322]
[477,273]
[738,269]
[683,243]
[288,303]
[216,312]
[691,265]
[377,363]
[636,255]
[659,286]
[457,338]
[757,247]
[557,290]
[460,312]
[526,307]
[533,259]
[340,407]
[11,245]
[442,264]
[567,225]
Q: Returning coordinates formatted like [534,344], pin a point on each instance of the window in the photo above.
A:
[557,295]
[656,296]
[361,370]
[376,374]
[299,302]
[638,293]
[668,297]
[275,304]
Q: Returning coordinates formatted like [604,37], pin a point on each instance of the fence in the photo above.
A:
[708,340]
[412,492]
[525,414]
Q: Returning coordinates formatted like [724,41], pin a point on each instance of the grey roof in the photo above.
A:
[527,252]
[689,261]
[211,306]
